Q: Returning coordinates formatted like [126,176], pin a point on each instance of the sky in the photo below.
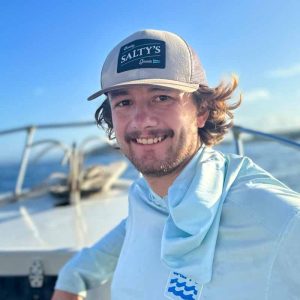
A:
[51,53]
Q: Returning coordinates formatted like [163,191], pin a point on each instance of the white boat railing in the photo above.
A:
[239,145]
[31,130]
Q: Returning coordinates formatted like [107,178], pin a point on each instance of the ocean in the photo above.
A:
[281,161]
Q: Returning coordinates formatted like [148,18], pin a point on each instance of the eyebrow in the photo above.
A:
[116,93]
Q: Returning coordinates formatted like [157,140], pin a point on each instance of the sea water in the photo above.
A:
[281,161]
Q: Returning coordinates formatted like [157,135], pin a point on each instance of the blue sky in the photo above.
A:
[51,54]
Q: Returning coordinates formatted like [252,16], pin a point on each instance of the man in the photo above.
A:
[201,224]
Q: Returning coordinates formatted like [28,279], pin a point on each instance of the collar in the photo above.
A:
[194,205]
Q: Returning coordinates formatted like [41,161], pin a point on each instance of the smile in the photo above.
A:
[150,141]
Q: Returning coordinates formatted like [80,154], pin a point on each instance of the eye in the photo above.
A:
[123,103]
[162,98]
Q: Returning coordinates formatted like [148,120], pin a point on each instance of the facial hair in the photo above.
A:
[177,158]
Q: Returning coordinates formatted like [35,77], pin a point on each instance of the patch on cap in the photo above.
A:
[143,53]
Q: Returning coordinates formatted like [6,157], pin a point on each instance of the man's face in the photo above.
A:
[156,128]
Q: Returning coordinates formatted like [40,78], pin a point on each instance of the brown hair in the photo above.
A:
[214,100]
[220,117]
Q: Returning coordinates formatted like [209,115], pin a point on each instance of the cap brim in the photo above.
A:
[172,84]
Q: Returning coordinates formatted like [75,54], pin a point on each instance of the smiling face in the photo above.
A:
[156,128]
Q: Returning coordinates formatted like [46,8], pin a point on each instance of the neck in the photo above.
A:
[160,184]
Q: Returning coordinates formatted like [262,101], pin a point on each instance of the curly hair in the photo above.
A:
[213,100]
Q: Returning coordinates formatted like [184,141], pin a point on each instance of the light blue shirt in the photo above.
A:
[228,229]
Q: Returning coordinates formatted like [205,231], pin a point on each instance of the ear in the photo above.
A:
[202,118]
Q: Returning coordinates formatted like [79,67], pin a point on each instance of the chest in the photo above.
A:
[240,268]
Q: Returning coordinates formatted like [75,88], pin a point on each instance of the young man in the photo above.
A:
[201,224]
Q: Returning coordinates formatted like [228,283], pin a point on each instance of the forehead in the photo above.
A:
[124,91]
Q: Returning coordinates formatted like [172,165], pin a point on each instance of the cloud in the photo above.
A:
[291,71]
[257,94]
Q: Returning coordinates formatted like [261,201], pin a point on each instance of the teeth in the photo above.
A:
[149,141]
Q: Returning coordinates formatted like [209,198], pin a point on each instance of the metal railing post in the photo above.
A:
[74,175]
[24,162]
[239,147]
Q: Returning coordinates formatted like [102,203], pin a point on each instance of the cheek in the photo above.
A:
[116,120]
[119,138]
[190,120]
[118,127]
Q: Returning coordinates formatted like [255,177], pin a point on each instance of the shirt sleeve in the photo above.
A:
[92,266]
[285,279]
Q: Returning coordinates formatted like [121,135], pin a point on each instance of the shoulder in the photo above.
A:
[257,193]
[271,206]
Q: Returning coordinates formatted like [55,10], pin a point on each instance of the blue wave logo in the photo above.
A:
[181,287]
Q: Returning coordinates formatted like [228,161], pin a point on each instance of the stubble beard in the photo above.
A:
[175,160]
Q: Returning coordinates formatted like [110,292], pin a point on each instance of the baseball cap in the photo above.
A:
[152,57]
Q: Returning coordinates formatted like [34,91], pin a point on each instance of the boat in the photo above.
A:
[41,227]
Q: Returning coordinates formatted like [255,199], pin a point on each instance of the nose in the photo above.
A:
[143,117]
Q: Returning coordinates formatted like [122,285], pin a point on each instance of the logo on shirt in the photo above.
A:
[182,287]
[143,53]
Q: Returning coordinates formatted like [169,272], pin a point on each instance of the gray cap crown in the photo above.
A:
[152,57]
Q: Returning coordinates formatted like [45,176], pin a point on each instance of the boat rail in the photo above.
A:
[31,130]
[239,145]
[237,131]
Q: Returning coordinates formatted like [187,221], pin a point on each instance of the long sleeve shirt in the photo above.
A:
[238,239]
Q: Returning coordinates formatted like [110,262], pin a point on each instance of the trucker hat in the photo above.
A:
[152,57]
